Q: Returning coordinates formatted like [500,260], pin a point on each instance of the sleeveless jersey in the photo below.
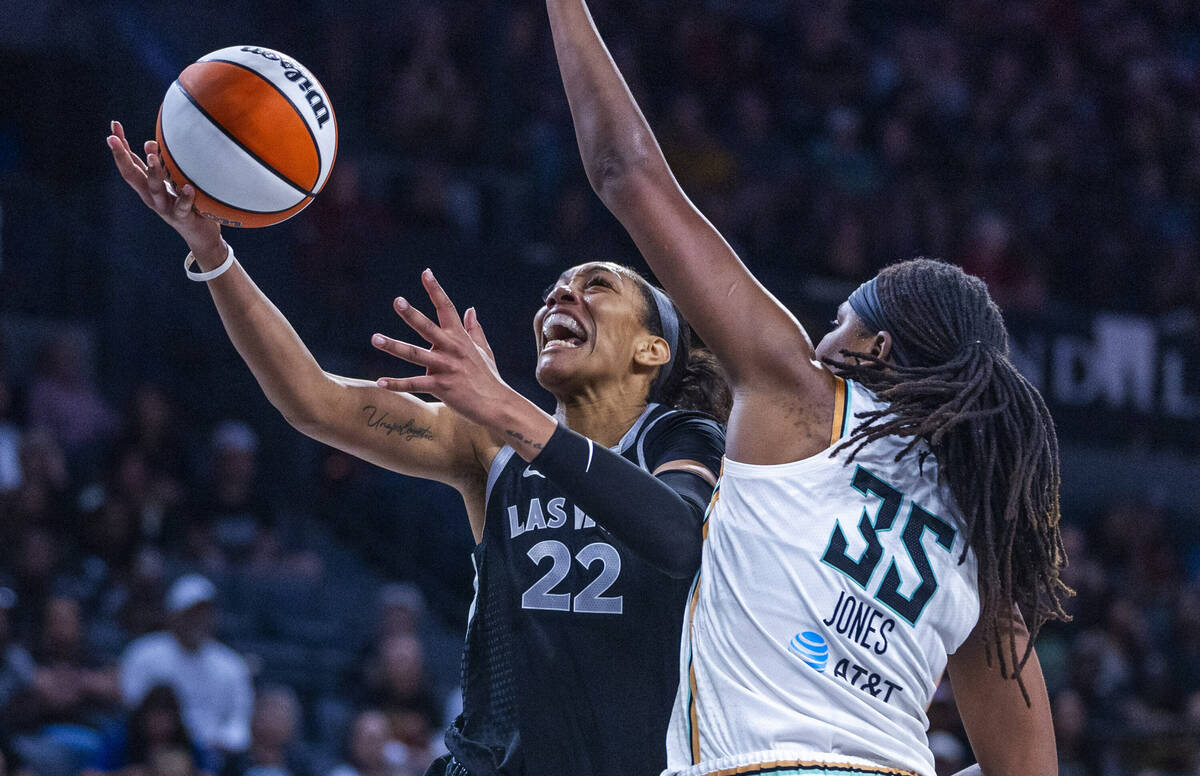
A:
[570,663]
[819,625]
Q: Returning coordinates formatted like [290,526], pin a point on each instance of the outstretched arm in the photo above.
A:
[757,340]
[1009,738]
[396,431]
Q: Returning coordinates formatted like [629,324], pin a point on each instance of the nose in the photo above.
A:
[561,293]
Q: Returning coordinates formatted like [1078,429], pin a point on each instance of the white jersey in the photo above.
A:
[827,602]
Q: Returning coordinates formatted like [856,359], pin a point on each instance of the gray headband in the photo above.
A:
[865,303]
[670,327]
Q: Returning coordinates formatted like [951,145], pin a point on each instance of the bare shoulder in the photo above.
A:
[786,418]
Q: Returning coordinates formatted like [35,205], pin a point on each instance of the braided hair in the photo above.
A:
[952,385]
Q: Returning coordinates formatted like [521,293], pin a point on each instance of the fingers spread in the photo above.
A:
[421,384]
[447,315]
[421,324]
[475,331]
[405,351]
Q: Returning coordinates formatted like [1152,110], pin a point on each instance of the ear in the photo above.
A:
[881,345]
[651,351]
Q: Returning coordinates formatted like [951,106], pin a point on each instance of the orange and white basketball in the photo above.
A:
[252,130]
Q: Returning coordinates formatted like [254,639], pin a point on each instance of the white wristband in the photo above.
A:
[201,277]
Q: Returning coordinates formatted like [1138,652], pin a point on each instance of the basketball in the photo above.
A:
[252,130]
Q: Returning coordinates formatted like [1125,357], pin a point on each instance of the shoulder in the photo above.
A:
[672,434]
[226,657]
[152,644]
[666,421]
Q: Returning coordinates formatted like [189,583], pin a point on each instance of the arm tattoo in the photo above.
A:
[519,437]
[409,429]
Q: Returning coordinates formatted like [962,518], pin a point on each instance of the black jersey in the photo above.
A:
[571,658]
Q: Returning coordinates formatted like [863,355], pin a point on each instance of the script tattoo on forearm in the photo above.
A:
[408,429]
[519,437]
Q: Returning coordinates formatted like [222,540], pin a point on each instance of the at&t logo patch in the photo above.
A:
[812,648]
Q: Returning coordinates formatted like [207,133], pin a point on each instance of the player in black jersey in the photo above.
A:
[586,542]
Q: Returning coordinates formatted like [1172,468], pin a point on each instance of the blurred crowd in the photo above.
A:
[1050,146]
[156,622]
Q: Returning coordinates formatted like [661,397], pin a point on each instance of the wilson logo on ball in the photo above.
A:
[296,75]
[252,130]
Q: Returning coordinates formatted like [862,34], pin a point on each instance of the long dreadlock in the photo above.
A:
[990,432]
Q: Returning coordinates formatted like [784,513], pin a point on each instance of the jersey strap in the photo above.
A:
[841,409]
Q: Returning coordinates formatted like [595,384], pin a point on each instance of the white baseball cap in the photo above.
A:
[188,591]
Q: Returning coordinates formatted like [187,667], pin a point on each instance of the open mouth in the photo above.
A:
[560,330]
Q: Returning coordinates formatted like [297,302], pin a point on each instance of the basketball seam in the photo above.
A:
[240,144]
[218,200]
[286,99]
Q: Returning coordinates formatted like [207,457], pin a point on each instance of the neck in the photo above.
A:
[603,419]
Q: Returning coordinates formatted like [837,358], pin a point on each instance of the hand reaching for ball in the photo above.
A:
[148,178]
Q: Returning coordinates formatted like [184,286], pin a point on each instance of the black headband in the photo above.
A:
[670,328]
[865,303]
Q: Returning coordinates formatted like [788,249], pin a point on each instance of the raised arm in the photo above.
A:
[397,431]
[754,336]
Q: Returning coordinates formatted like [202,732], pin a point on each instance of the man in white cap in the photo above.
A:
[211,680]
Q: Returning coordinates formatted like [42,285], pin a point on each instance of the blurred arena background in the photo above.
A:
[1050,146]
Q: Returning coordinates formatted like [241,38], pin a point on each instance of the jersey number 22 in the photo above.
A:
[590,600]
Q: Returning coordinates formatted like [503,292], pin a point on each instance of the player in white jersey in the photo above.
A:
[889,502]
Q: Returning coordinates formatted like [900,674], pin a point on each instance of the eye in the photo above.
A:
[599,280]
[547,292]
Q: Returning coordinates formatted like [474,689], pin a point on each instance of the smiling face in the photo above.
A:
[591,330]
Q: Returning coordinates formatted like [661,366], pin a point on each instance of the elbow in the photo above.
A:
[682,568]
[608,172]
[619,175]
[306,406]
[303,416]
[685,561]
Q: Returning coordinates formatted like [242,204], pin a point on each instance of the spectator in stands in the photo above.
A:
[370,748]
[132,604]
[151,427]
[211,680]
[34,559]
[232,510]
[153,730]
[63,400]
[398,686]
[71,698]
[401,610]
[275,749]
[41,496]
